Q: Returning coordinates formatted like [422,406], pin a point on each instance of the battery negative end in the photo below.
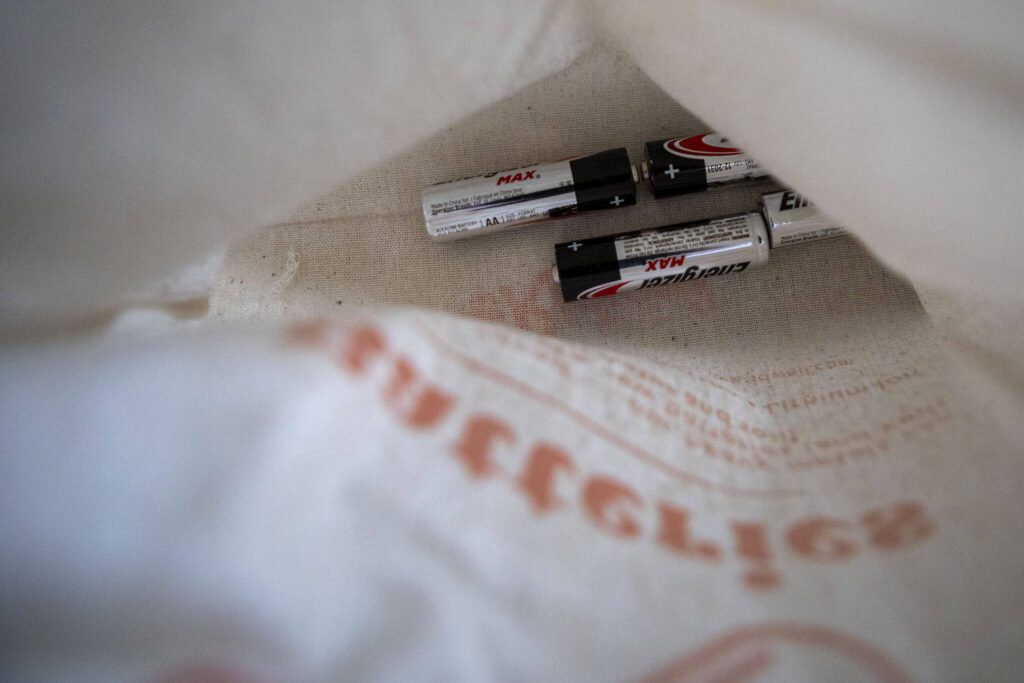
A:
[554,274]
[641,169]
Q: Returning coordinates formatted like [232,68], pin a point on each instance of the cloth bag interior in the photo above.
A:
[256,424]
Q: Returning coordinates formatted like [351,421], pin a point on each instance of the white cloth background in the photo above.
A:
[367,498]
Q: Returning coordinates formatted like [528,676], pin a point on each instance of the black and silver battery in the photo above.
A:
[694,163]
[509,199]
[604,266]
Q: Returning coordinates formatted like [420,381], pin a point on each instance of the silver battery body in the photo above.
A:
[604,266]
[792,219]
[478,206]
[518,197]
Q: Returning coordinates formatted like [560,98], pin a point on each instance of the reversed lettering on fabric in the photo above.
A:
[550,479]
[752,651]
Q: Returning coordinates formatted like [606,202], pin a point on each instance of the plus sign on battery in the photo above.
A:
[575,246]
[671,171]
[520,196]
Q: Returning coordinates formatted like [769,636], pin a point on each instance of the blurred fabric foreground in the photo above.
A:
[255,426]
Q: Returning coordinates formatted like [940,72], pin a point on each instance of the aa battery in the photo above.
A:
[791,219]
[514,198]
[603,266]
[692,164]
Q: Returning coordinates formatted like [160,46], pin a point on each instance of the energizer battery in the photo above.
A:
[691,164]
[791,219]
[603,266]
[506,199]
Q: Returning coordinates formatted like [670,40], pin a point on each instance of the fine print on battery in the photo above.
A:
[514,198]
[692,164]
[604,266]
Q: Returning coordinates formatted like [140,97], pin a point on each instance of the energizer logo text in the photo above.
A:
[695,273]
[792,200]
